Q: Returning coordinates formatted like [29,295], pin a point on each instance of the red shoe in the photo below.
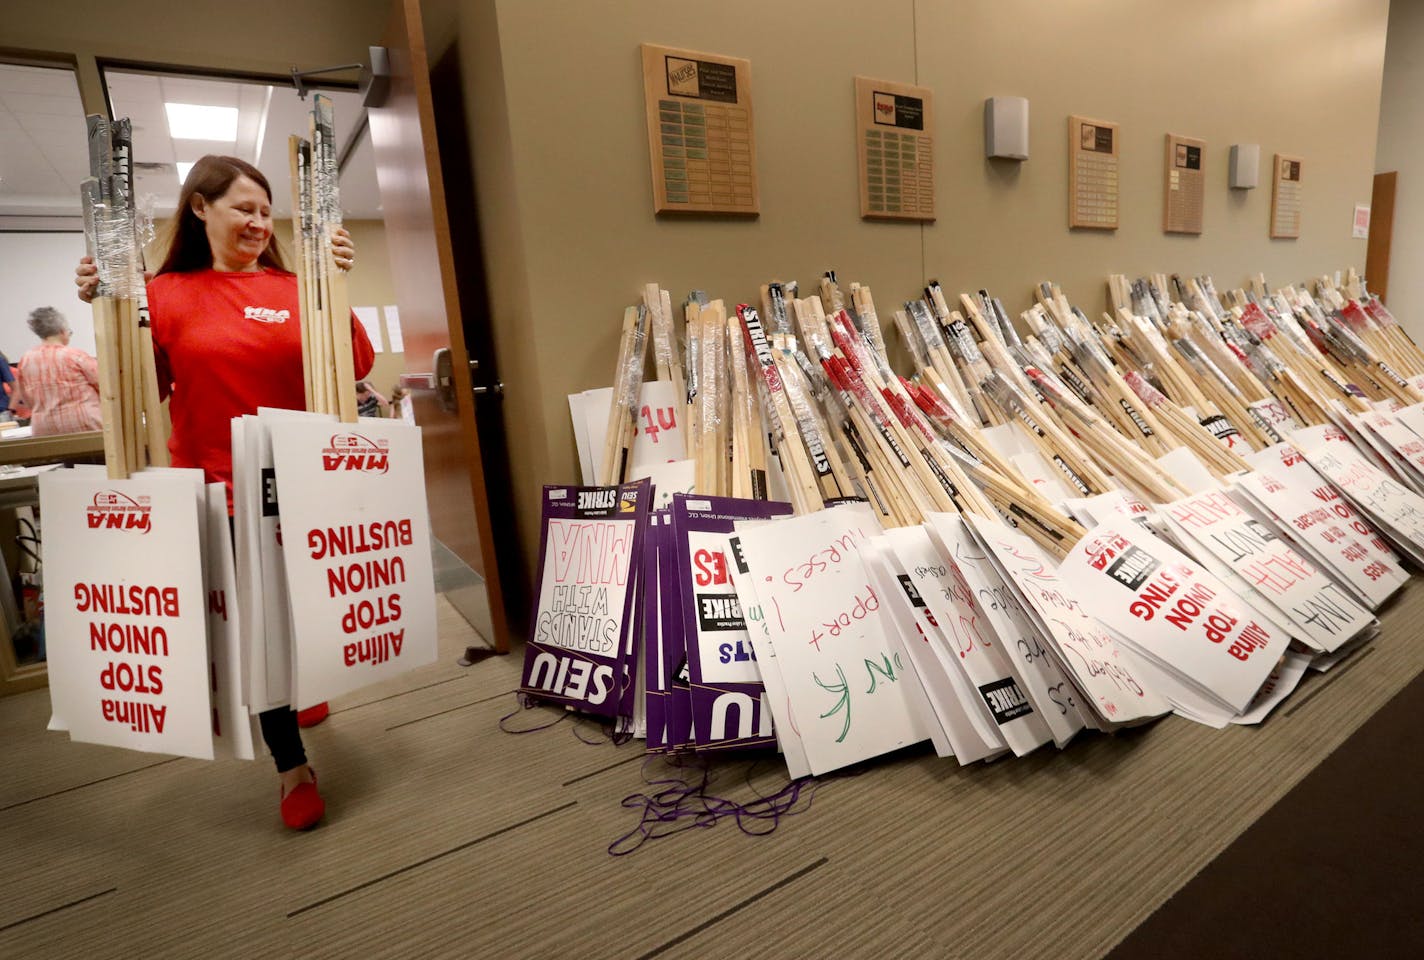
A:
[311,716]
[303,808]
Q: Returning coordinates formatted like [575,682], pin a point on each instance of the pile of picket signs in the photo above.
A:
[1181,508]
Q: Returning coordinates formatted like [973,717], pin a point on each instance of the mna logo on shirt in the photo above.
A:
[265,314]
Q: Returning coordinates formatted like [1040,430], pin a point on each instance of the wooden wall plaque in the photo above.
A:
[1092,174]
[1285,198]
[894,126]
[700,133]
[1184,190]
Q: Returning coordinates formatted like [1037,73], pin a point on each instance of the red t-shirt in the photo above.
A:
[227,343]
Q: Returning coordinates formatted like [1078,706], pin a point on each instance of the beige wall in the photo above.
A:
[562,165]
[1401,148]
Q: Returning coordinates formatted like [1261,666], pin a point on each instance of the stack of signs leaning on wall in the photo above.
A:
[1310,511]
[729,710]
[356,546]
[126,613]
[1200,645]
[580,653]
[844,676]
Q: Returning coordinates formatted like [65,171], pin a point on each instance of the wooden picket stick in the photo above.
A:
[297,169]
[623,408]
[692,422]
[110,408]
[800,476]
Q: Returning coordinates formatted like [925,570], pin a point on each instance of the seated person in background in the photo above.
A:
[369,403]
[58,382]
[7,380]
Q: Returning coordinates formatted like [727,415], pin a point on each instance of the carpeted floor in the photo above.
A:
[448,838]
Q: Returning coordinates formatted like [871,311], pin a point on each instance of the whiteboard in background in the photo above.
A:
[37,270]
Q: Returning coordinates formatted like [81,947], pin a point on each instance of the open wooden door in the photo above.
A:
[1381,233]
[423,268]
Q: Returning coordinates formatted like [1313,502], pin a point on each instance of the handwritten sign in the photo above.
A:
[1313,513]
[969,640]
[788,734]
[590,541]
[356,544]
[827,625]
[1399,512]
[128,661]
[660,431]
[937,690]
[1106,683]
[728,709]
[1170,611]
[1401,442]
[996,606]
[1306,601]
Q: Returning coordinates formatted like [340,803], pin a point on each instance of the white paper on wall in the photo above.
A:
[370,319]
[393,328]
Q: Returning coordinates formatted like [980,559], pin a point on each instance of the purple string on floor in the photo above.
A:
[684,804]
[529,703]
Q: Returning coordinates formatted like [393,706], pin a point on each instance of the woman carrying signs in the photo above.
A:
[227,338]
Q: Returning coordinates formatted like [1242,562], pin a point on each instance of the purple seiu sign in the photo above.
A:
[579,652]
[725,688]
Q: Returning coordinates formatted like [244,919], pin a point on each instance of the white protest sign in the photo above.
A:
[968,640]
[1280,684]
[788,734]
[1182,465]
[1406,445]
[1084,649]
[660,431]
[1302,598]
[927,685]
[827,626]
[977,579]
[232,724]
[1170,610]
[357,542]
[125,622]
[677,476]
[1398,511]
[1272,417]
[1311,512]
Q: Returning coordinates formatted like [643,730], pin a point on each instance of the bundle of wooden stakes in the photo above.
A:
[134,422]
[328,372]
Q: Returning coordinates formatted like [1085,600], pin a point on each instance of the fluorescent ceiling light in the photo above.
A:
[190,121]
[183,167]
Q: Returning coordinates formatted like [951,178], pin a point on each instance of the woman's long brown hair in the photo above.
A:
[188,247]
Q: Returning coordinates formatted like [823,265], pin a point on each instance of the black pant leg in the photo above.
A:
[283,738]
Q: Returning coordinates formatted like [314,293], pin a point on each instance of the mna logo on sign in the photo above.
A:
[265,314]
[351,451]
[112,510]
